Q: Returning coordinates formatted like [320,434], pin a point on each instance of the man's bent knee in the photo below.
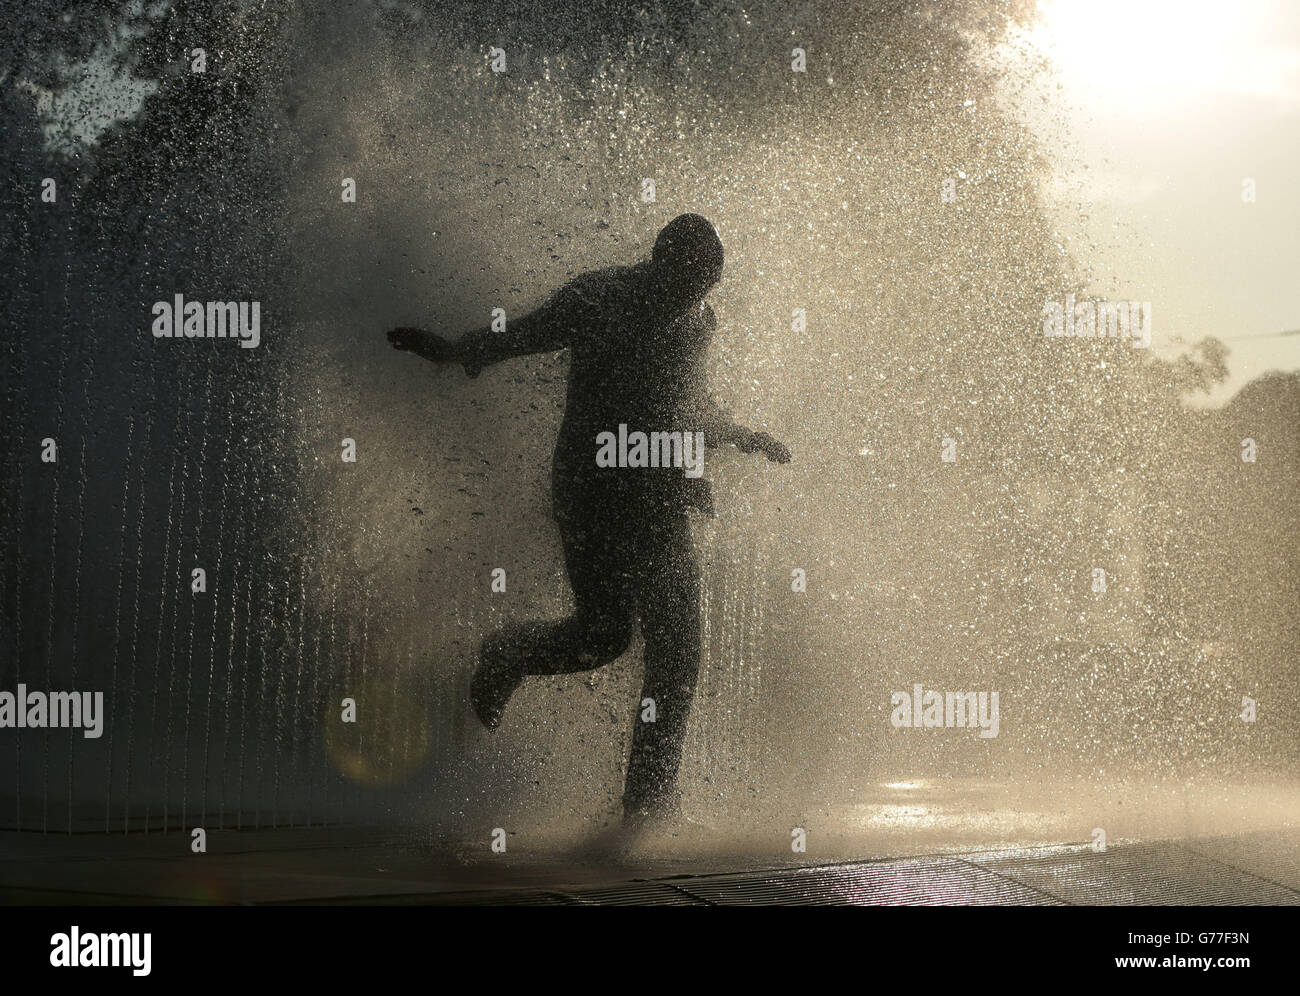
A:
[602,643]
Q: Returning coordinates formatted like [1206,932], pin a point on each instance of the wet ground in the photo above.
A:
[916,842]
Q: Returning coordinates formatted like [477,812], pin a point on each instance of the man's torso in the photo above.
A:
[626,367]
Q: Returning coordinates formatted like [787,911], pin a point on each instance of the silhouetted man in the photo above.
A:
[637,338]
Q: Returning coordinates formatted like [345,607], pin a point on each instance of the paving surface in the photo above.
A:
[350,866]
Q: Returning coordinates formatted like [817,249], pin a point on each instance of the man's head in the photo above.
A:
[687,258]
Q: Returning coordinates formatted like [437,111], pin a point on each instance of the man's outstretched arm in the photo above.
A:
[546,330]
[720,429]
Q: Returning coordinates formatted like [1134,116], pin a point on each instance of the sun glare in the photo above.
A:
[1160,55]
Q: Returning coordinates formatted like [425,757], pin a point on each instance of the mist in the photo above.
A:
[958,477]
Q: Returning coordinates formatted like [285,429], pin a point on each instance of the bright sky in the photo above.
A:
[1154,113]
[1164,109]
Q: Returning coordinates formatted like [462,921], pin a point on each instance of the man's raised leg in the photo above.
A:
[597,633]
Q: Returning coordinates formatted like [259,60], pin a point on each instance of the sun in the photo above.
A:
[1145,56]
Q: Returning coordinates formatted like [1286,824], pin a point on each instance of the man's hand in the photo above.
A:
[422,343]
[432,347]
[766,444]
[405,338]
[472,366]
